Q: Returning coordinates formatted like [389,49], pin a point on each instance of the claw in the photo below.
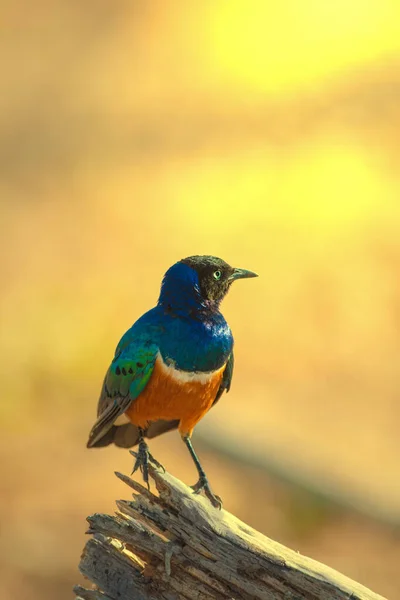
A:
[141,463]
[203,484]
[155,462]
[143,457]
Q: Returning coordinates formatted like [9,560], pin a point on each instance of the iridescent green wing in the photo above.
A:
[126,378]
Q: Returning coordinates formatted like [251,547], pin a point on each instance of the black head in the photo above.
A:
[214,276]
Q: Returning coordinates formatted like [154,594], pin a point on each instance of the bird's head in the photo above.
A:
[199,281]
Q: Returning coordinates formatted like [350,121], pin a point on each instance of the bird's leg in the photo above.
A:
[202,483]
[143,457]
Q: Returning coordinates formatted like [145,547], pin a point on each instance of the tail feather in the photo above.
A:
[127,435]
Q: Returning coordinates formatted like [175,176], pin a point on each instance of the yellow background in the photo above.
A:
[135,134]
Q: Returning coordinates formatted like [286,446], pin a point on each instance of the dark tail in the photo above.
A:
[127,435]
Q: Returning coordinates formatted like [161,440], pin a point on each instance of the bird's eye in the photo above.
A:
[217,275]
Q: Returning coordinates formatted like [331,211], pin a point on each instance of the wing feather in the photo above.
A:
[126,378]
[226,379]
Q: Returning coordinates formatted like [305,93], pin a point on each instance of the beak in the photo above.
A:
[242,274]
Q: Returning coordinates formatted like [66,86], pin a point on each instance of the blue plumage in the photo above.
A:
[183,341]
[199,339]
[190,334]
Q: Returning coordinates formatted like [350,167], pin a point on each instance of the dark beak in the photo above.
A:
[242,274]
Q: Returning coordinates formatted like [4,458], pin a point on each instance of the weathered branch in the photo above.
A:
[178,546]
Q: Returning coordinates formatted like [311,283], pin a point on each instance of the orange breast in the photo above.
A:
[172,394]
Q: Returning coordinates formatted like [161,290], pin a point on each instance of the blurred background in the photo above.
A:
[133,134]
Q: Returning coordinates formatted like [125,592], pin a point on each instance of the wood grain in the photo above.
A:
[176,545]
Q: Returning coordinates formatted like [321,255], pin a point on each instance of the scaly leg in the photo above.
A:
[202,483]
[143,457]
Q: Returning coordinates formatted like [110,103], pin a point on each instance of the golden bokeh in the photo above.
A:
[134,134]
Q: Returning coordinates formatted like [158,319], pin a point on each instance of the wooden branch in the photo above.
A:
[176,545]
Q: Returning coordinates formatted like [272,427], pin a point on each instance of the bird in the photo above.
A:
[171,366]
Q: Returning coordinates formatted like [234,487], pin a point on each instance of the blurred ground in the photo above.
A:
[134,134]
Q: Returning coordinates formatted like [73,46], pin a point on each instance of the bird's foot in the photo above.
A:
[143,458]
[203,484]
